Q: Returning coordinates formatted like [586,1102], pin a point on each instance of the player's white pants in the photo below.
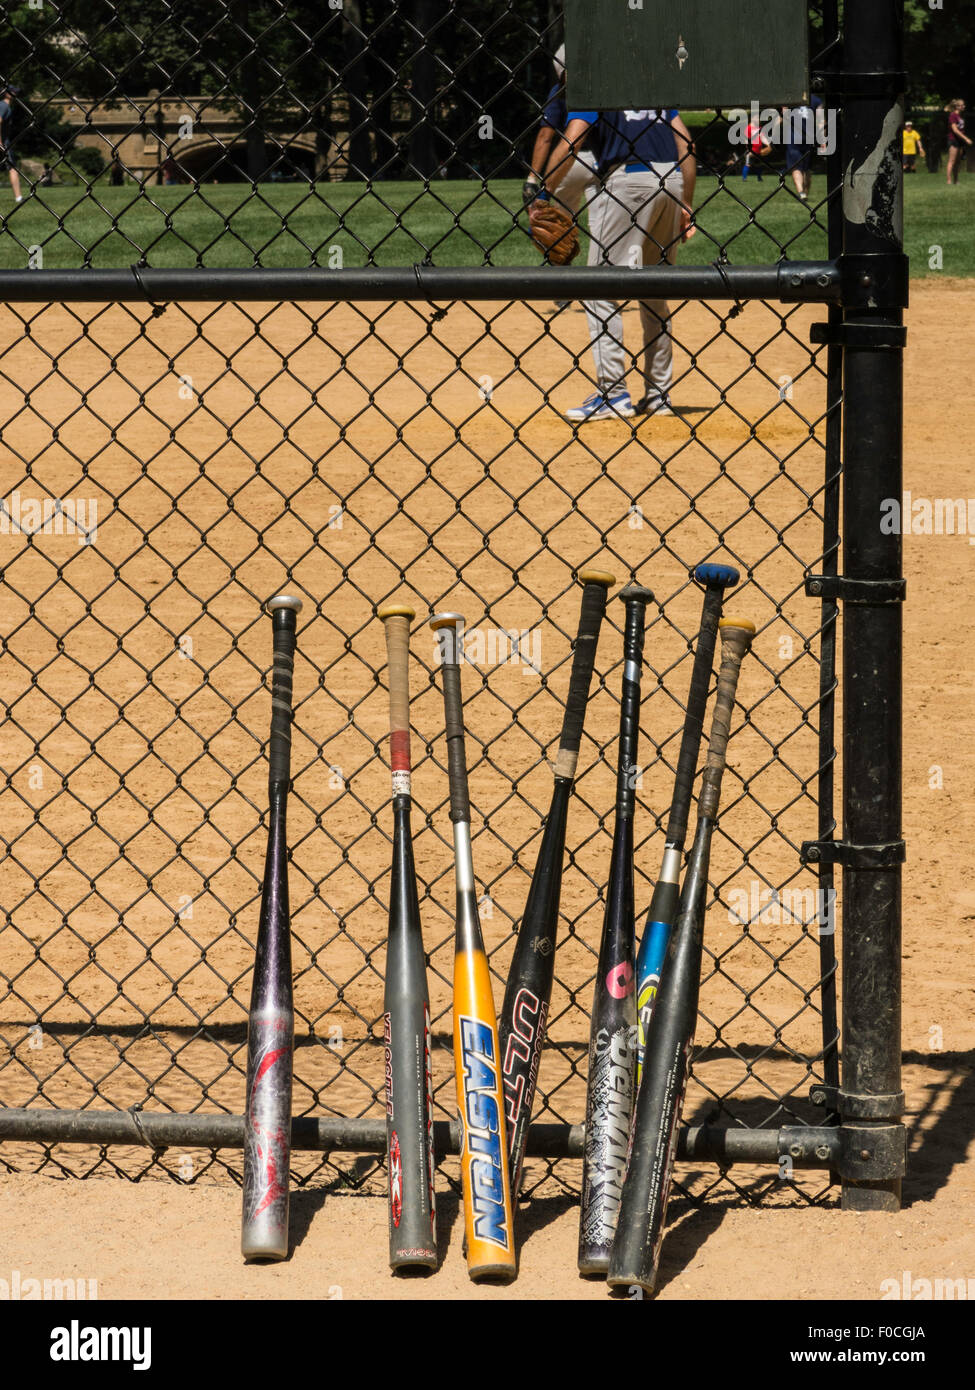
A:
[634,221]
[580,184]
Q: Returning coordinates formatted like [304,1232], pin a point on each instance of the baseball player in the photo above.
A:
[8,159]
[578,182]
[647,169]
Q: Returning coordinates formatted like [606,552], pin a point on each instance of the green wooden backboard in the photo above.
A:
[687,53]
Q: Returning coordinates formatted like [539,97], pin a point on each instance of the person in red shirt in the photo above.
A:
[758,147]
[957,139]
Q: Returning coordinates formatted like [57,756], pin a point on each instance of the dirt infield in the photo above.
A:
[355,469]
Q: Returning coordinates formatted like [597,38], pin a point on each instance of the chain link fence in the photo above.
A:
[169,465]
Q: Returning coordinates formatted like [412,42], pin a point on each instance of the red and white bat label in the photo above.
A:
[267,1152]
[395,1178]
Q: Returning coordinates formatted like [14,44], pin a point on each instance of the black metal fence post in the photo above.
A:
[871,87]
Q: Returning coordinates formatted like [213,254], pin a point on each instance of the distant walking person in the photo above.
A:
[957,139]
[8,159]
[800,133]
[912,147]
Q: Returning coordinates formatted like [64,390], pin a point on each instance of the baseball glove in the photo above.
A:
[554,233]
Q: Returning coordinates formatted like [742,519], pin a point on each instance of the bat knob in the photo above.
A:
[448,627]
[395,610]
[440,620]
[636,593]
[284,601]
[744,623]
[596,577]
[716,576]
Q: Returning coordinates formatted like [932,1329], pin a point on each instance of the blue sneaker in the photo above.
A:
[612,405]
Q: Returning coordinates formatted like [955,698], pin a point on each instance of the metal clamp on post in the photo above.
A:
[855,1106]
[809,281]
[874,1151]
[806,1147]
[850,856]
[889,83]
[874,280]
[870,593]
[859,335]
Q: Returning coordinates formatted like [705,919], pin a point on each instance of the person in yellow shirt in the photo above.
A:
[911,147]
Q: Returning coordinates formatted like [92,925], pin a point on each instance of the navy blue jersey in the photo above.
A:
[554,112]
[4,122]
[631,137]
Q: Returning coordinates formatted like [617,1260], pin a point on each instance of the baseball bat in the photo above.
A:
[611,1083]
[406,1003]
[528,991]
[666,891]
[271,1023]
[646,1188]
[483,1160]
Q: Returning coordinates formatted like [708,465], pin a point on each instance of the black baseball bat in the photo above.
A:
[646,1188]
[271,1023]
[666,891]
[406,1003]
[611,1083]
[528,992]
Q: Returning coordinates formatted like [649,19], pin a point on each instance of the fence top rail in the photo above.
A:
[787,281]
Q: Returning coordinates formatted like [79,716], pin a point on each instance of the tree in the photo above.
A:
[938,49]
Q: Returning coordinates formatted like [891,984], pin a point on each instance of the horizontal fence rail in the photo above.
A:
[789,282]
[805,1146]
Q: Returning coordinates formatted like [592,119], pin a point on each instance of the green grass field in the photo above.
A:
[457,222]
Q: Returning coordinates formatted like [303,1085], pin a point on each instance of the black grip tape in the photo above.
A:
[282,713]
[583,661]
[633,637]
[460,805]
[697,699]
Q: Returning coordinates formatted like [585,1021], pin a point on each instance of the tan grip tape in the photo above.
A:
[565,763]
[735,642]
[398,654]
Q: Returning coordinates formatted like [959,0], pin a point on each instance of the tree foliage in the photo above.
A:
[415,87]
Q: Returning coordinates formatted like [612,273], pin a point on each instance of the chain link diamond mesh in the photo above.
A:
[167,468]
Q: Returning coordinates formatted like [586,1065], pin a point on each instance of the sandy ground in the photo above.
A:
[750,1238]
[167,1242]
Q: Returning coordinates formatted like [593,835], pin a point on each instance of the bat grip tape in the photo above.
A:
[733,648]
[460,805]
[697,699]
[398,656]
[282,714]
[583,661]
